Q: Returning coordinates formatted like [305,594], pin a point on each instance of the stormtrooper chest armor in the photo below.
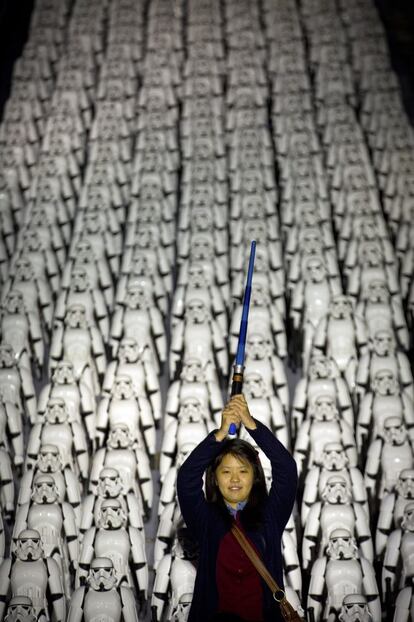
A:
[60,434]
[317,297]
[323,432]
[124,460]
[136,318]
[16,328]
[198,341]
[393,460]
[342,577]
[47,519]
[382,407]
[335,516]
[379,363]
[30,578]
[115,544]
[341,346]
[102,606]
[10,386]
[84,299]
[136,373]
[70,394]
[124,411]
[77,348]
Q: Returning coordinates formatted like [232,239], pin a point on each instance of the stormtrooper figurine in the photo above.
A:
[387,456]
[175,576]
[323,378]
[124,406]
[42,257]
[198,335]
[131,362]
[123,453]
[110,487]
[80,344]
[392,509]
[310,297]
[22,329]
[198,380]
[324,425]
[381,312]
[77,395]
[384,400]
[68,437]
[354,608]
[33,574]
[341,335]
[339,573]
[334,461]
[125,546]
[102,597]
[16,385]
[384,354]
[67,484]
[263,317]
[139,318]
[398,567]
[336,509]
[55,520]
[261,359]
[82,292]
[193,420]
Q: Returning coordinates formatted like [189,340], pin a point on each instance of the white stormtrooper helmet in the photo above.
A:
[192,370]
[120,437]
[342,545]
[56,410]
[102,576]
[8,356]
[49,459]
[196,312]
[29,545]
[341,307]
[384,382]
[334,457]
[191,410]
[122,388]
[383,342]
[44,489]
[355,609]
[129,351]
[109,483]
[405,484]
[324,408]
[407,521]
[394,431]
[111,515]
[258,347]
[337,490]
[315,270]
[254,386]
[64,373]
[75,316]
[14,302]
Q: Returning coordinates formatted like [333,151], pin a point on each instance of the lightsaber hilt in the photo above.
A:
[236,389]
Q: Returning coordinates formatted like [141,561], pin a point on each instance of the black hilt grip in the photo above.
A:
[237,384]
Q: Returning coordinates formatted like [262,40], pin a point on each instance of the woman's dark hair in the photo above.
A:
[252,513]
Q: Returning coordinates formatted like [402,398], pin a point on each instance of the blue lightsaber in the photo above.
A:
[237,380]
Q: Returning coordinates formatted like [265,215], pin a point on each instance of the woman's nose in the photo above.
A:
[234,477]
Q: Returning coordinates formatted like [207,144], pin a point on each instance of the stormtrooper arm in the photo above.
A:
[56,346]
[176,346]
[362,375]
[147,424]
[372,467]
[56,591]
[406,376]
[135,511]
[364,533]
[20,522]
[36,339]
[33,446]
[178,304]
[280,382]
[403,605]
[370,587]
[6,483]
[160,589]
[219,309]
[392,558]
[361,336]
[291,563]
[364,421]
[158,331]
[87,516]
[71,532]
[153,390]
[319,339]
[216,398]
[279,333]
[310,536]
[165,533]
[97,466]
[279,421]
[129,610]
[139,560]
[384,525]
[2,542]
[15,428]
[116,330]
[145,479]
[88,409]
[220,349]
[168,448]
[348,441]
[81,449]
[85,557]
[172,405]
[101,312]
[316,590]
[76,612]
[102,420]
[29,392]
[167,492]
[46,303]
[400,326]
[25,488]
[105,281]
[301,448]
[359,493]
[5,574]
[310,492]
[98,349]
[299,405]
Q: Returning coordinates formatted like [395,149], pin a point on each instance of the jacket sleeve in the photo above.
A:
[284,473]
[190,492]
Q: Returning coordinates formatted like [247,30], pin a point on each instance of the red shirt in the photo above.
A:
[238,582]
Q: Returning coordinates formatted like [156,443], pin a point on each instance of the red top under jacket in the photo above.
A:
[238,582]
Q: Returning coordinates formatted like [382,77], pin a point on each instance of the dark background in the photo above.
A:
[397,15]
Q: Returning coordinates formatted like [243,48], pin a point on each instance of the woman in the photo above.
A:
[227,585]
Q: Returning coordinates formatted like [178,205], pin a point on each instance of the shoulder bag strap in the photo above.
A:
[278,593]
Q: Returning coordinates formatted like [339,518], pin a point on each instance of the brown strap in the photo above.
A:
[278,593]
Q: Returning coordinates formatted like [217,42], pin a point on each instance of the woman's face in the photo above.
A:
[234,479]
